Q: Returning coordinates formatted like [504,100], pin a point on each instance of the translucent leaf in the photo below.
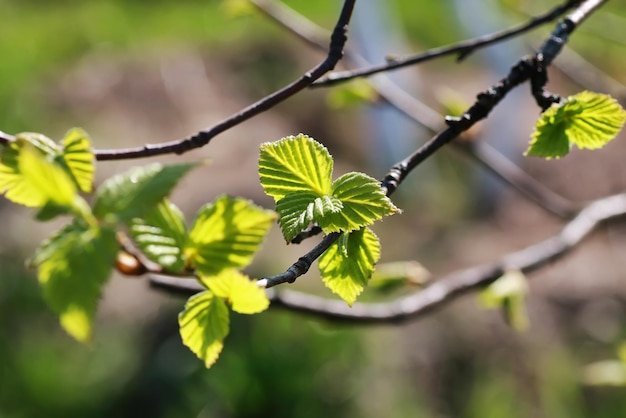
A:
[131,194]
[588,120]
[299,209]
[226,234]
[243,294]
[363,200]
[204,324]
[79,158]
[161,235]
[295,163]
[73,265]
[348,264]
[12,181]
[42,180]
[508,293]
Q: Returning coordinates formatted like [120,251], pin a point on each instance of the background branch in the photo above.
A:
[446,288]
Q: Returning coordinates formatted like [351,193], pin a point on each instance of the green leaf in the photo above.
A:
[588,120]
[243,294]
[204,324]
[12,181]
[348,264]
[293,164]
[299,209]
[363,201]
[79,158]
[605,373]
[73,265]
[42,180]
[508,293]
[161,235]
[131,194]
[400,274]
[226,234]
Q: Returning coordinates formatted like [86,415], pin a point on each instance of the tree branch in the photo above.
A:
[463,49]
[443,290]
[200,139]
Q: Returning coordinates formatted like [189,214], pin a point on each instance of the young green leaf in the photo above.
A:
[348,264]
[243,294]
[42,180]
[295,163]
[73,265]
[297,210]
[588,120]
[226,234]
[204,324]
[131,194]
[363,201]
[12,181]
[161,235]
[508,293]
[79,158]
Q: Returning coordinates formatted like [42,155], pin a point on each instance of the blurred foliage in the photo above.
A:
[278,364]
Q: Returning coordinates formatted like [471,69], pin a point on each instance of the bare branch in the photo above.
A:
[462,49]
[200,139]
[6,138]
[446,288]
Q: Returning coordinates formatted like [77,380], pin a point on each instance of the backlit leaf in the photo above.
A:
[161,235]
[79,158]
[204,324]
[297,210]
[242,294]
[588,120]
[226,234]
[73,265]
[295,163]
[42,180]
[348,264]
[131,194]
[363,201]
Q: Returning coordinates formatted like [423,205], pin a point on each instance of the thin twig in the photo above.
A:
[200,139]
[462,49]
[443,290]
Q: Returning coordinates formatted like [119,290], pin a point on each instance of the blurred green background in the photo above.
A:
[107,66]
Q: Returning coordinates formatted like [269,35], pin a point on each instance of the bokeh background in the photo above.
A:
[132,72]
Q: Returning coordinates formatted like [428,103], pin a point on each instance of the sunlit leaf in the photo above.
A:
[508,293]
[42,180]
[73,265]
[297,210]
[12,181]
[363,201]
[348,264]
[161,235]
[131,194]
[79,158]
[242,294]
[293,164]
[588,120]
[226,234]
[204,324]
